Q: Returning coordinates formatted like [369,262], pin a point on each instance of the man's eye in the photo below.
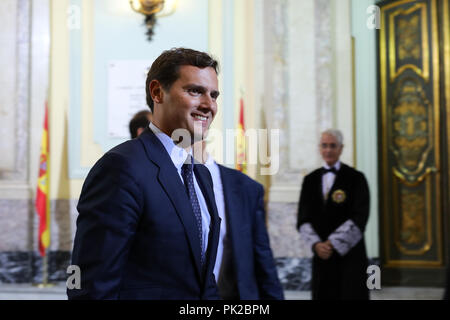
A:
[194,91]
[330,146]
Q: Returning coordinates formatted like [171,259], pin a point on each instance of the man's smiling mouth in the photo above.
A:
[199,117]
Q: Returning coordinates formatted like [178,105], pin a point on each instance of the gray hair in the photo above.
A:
[335,133]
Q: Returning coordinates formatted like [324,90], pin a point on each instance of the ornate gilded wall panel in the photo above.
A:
[446,58]
[409,64]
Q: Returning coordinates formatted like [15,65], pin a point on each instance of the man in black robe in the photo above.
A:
[332,216]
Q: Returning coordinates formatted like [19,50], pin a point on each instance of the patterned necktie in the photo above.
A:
[187,172]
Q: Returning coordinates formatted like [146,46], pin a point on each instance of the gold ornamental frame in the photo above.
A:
[425,71]
[446,36]
[384,153]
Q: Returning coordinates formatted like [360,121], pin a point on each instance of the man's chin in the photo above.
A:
[198,136]
[199,133]
[331,162]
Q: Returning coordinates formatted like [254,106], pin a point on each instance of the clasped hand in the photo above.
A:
[324,249]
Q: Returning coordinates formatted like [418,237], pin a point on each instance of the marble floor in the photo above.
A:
[57,292]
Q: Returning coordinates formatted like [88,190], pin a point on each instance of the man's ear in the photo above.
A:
[139,131]
[156,91]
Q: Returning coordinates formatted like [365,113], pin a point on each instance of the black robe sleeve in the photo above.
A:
[304,206]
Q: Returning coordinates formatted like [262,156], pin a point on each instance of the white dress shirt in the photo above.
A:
[220,203]
[179,156]
[328,179]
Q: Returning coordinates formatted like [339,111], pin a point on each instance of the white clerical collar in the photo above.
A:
[177,154]
[337,165]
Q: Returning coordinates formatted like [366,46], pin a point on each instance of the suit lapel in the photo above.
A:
[170,181]
[319,187]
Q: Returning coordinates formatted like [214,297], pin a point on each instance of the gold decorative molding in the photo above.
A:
[410,219]
[446,36]
[405,41]
[404,179]
[407,251]
[410,128]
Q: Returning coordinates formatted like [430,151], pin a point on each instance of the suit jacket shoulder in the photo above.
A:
[240,178]
[352,174]
[129,154]
[313,175]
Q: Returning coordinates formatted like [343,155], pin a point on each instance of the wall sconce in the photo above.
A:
[153,9]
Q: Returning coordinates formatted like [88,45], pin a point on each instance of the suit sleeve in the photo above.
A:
[348,234]
[109,209]
[266,272]
[305,210]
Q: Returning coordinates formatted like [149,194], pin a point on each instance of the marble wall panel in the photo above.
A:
[285,239]
[19,225]
[8,63]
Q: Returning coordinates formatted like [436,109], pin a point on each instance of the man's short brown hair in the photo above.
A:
[166,67]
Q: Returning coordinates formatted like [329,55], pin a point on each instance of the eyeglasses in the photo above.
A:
[328,145]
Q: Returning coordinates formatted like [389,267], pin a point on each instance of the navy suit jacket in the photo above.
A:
[136,232]
[254,267]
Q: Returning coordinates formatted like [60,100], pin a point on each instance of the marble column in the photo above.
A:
[298,100]
[24,60]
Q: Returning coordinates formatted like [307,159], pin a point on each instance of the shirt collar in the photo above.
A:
[210,161]
[212,165]
[177,155]
[337,165]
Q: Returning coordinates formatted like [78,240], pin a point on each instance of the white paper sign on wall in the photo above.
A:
[126,93]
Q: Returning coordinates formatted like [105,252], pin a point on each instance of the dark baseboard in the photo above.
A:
[26,267]
[295,273]
[417,277]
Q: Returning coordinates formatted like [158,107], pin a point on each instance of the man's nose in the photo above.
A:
[207,102]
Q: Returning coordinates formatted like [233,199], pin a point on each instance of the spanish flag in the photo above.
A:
[241,162]
[42,194]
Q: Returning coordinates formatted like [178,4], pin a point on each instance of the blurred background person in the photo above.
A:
[245,268]
[139,123]
[332,216]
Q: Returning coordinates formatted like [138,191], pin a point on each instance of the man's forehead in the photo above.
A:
[187,68]
[328,137]
[203,76]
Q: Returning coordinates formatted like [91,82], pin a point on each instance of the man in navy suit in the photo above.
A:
[148,226]
[245,268]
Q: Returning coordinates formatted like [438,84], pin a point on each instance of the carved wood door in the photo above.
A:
[414,97]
